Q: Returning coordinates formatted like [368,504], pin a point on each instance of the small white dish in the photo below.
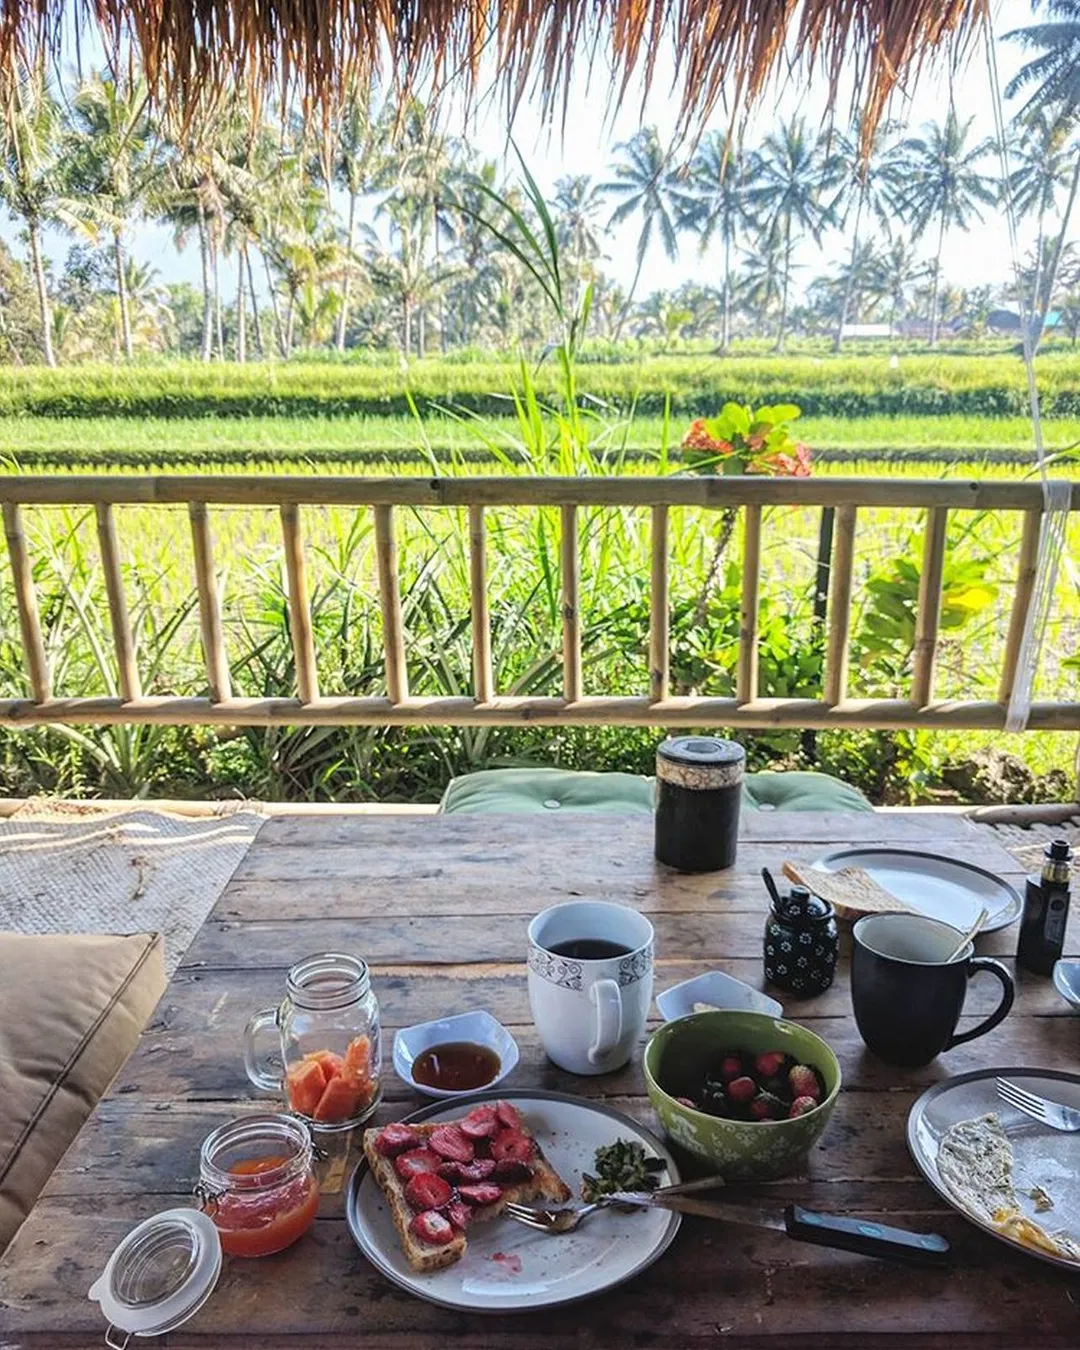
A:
[719,991]
[477,1028]
[1067,981]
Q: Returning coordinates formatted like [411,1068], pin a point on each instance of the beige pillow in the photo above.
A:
[74,1005]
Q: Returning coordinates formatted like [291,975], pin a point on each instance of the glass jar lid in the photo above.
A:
[159,1276]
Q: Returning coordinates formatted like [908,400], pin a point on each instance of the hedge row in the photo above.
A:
[854,387]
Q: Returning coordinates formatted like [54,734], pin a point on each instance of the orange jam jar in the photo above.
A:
[257,1183]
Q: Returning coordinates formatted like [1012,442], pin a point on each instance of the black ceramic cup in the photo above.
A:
[907,993]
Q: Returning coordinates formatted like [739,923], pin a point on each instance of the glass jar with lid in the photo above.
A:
[328,1031]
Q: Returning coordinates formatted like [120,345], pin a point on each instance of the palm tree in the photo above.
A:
[792,178]
[31,163]
[358,165]
[944,186]
[760,278]
[716,204]
[113,163]
[1044,167]
[578,204]
[899,270]
[873,184]
[646,183]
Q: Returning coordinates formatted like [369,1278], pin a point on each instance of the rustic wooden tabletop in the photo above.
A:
[438,906]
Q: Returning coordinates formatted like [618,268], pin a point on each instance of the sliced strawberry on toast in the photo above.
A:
[441,1178]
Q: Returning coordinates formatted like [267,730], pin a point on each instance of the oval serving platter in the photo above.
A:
[511,1268]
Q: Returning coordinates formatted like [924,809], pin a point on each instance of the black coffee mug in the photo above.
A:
[907,993]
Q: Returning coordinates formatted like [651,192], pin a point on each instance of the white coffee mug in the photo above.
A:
[590,1010]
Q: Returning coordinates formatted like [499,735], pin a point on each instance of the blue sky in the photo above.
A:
[588,145]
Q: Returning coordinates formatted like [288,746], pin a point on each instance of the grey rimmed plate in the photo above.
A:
[1041,1156]
[939,887]
[511,1268]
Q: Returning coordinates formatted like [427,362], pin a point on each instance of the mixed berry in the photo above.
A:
[770,1085]
[458,1168]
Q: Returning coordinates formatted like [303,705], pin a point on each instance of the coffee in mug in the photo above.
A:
[590,983]
[908,989]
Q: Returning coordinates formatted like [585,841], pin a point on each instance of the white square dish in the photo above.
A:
[719,991]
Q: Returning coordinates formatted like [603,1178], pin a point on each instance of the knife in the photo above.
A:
[806,1225]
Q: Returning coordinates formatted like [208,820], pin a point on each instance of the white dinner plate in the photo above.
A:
[939,887]
[511,1268]
[1042,1156]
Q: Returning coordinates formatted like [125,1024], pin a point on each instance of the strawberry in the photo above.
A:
[804,1082]
[511,1146]
[395,1139]
[769,1063]
[459,1214]
[731,1066]
[741,1090]
[432,1227]
[766,1107]
[480,1169]
[427,1191]
[449,1142]
[480,1122]
[484,1193]
[510,1171]
[408,1165]
[509,1116]
[800,1106]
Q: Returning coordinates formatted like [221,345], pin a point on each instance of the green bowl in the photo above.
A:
[758,1150]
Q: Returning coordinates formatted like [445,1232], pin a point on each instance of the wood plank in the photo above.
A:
[528,490]
[570,555]
[123,643]
[210,626]
[386,554]
[22,571]
[659,608]
[303,639]
[928,614]
[746,680]
[483,680]
[840,587]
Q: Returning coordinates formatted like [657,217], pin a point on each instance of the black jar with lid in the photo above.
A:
[801,943]
[698,791]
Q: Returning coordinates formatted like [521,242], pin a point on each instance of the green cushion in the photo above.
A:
[795,791]
[520,791]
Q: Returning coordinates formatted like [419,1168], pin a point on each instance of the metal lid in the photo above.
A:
[703,750]
[159,1276]
[799,907]
[700,763]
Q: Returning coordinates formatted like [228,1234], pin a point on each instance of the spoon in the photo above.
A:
[969,936]
[767,877]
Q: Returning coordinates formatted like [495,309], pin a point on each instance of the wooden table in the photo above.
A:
[438,906]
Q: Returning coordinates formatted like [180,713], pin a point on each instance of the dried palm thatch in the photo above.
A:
[318,49]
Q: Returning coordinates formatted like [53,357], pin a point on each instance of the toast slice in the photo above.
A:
[491,1140]
[851,891]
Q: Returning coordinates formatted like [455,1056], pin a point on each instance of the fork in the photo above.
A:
[1055,1115]
[555,1220]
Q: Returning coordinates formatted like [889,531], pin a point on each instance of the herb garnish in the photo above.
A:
[621,1166]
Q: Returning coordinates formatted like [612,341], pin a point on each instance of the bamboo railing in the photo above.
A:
[654,706]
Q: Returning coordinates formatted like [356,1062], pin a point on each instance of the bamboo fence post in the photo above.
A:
[929,612]
[37,666]
[659,656]
[303,638]
[397,673]
[839,614]
[483,685]
[1025,587]
[127,669]
[213,635]
[571,606]
[746,683]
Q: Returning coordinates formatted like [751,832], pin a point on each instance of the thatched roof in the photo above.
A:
[724,50]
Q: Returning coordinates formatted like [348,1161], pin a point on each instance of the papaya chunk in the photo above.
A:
[306,1083]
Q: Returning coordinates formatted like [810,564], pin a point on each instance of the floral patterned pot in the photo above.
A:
[675,1061]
